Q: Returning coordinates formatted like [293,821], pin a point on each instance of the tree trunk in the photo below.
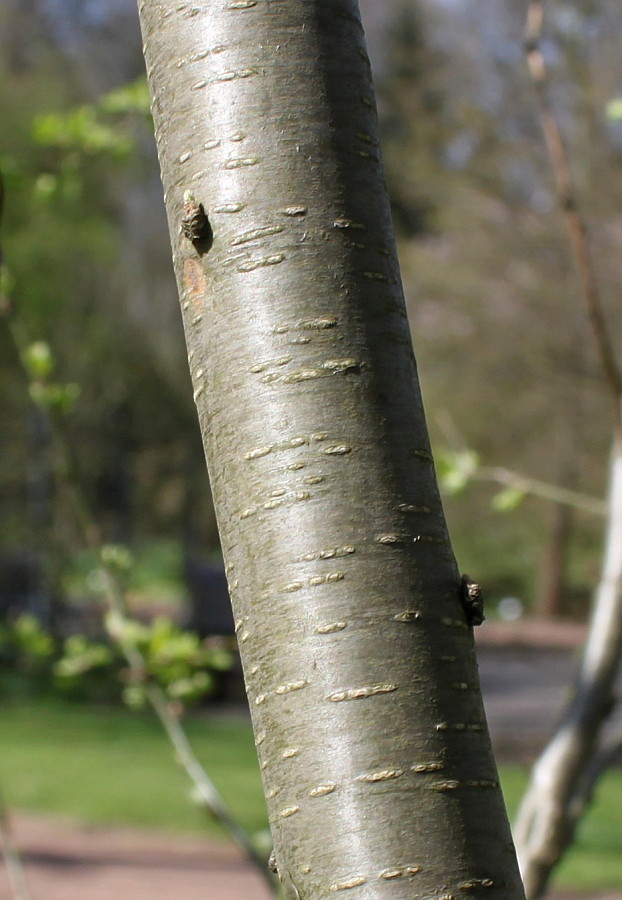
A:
[358,659]
[552,586]
[552,582]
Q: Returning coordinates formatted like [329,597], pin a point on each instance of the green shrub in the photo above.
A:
[178,661]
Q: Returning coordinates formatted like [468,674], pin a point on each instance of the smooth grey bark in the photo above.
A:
[359,662]
[564,775]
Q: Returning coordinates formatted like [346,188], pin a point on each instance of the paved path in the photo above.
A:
[65,861]
[526,671]
[68,862]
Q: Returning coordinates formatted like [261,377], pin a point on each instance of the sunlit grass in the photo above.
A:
[115,766]
[109,765]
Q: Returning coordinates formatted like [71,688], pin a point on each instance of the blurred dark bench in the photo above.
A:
[209,615]
[22,590]
[209,604]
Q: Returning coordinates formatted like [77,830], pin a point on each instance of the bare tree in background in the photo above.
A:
[564,776]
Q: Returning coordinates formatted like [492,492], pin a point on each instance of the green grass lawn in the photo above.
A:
[115,766]
[110,765]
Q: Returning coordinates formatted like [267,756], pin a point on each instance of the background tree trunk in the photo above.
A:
[564,775]
[359,662]
[552,583]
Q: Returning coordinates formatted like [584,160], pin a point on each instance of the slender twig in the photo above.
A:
[542,489]
[205,791]
[575,221]
[523,483]
[12,857]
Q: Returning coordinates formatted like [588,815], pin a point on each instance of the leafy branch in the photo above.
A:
[459,468]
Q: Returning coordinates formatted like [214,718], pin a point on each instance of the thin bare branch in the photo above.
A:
[566,193]
[542,489]
[508,478]
[205,792]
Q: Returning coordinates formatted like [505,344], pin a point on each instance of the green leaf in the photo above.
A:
[219,659]
[41,394]
[134,696]
[191,688]
[117,557]
[31,639]
[38,360]
[66,396]
[7,282]
[132,97]
[59,397]
[456,469]
[45,187]
[80,129]
[507,500]
[613,110]
[126,631]
[82,656]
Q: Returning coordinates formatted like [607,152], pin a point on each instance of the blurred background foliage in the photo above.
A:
[505,353]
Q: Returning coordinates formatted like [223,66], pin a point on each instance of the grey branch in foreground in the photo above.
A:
[359,663]
[565,773]
[545,822]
